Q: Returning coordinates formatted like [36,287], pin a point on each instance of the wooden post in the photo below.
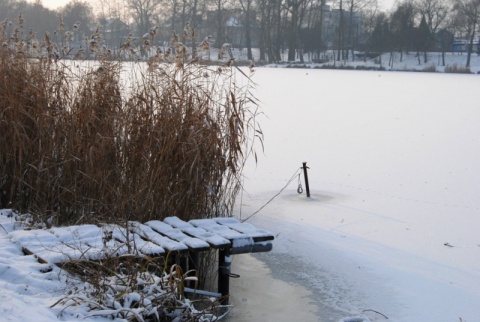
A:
[307,187]
[224,267]
[193,263]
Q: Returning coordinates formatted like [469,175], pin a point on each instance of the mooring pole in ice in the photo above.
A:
[307,187]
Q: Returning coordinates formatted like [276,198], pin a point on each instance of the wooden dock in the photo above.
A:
[154,238]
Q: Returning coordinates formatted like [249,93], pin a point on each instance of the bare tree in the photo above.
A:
[312,27]
[402,24]
[296,14]
[321,22]
[79,21]
[247,11]
[434,11]
[220,37]
[355,7]
[381,38]
[422,39]
[173,5]
[143,12]
[369,22]
[270,29]
[341,32]
[113,18]
[36,17]
[470,10]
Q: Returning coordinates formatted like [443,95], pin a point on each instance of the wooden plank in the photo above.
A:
[159,226]
[214,240]
[257,234]
[242,245]
[193,243]
[85,242]
[261,247]
[226,220]
[135,243]
[212,226]
[148,233]
[176,222]
[27,251]
[43,244]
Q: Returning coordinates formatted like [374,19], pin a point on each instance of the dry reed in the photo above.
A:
[95,141]
[457,69]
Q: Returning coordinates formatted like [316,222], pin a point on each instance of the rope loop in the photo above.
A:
[300,189]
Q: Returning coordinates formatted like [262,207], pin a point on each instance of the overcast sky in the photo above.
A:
[54,4]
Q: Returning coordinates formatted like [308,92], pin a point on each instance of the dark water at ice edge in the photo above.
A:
[270,290]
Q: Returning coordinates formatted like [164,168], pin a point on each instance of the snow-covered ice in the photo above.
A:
[392,224]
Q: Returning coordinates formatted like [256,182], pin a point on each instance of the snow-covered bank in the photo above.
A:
[393,221]
[397,62]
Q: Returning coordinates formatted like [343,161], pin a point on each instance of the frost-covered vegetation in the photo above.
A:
[136,291]
[128,287]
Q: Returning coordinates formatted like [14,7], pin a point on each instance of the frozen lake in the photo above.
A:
[392,224]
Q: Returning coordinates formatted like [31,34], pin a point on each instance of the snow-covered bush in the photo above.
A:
[134,289]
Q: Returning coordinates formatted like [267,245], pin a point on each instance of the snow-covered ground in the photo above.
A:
[405,62]
[393,221]
[388,61]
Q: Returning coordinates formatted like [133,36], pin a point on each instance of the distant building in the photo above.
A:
[461,45]
[330,19]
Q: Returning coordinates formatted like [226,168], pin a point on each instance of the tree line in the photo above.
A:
[280,29]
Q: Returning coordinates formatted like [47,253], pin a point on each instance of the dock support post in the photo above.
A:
[224,268]
[307,187]
[193,264]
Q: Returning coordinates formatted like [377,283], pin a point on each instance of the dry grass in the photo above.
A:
[95,141]
[429,69]
[135,289]
[457,69]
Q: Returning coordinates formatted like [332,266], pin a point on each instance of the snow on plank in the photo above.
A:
[136,242]
[257,234]
[212,226]
[176,222]
[92,235]
[159,226]
[148,233]
[214,240]
[226,220]
[46,246]
[87,239]
[176,234]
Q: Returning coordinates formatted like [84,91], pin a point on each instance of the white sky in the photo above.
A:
[54,4]
[386,4]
